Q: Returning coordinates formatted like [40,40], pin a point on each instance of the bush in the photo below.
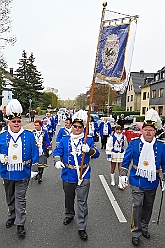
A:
[140,118]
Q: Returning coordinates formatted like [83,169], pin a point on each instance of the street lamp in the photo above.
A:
[30,103]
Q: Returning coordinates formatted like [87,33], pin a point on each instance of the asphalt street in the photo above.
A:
[109,213]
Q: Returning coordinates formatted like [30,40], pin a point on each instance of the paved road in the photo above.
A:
[45,214]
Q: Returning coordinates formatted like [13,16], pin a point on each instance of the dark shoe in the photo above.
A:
[135,241]
[67,220]
[83,234]
[10,222]
[146,235]
[21,231]
[39,178]
[101,147]
[36,177]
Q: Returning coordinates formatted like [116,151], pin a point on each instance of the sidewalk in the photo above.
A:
[30,125]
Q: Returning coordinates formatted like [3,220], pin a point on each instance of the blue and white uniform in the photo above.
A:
[61,133]
[69,151]
[22,153]
[144,179]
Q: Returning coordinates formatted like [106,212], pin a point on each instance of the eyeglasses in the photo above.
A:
[16,121]
[76,126]
[148,130]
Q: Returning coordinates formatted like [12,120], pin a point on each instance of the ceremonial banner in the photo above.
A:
[111,54]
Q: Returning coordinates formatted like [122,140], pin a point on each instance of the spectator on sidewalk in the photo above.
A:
[32,115]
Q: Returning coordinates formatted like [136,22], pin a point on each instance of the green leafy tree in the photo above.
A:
[49,98]
[28,82]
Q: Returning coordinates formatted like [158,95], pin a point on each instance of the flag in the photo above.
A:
[111,54]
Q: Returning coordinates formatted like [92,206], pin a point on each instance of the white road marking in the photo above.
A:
[113,201]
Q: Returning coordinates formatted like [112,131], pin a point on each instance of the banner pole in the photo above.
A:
[93,84]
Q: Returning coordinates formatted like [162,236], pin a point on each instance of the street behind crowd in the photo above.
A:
[45,213]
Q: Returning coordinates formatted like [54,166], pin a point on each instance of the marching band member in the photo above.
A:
[43,142]
[147,156]
[18,153]
[48,127]
[64,130]
[93,128]
[68,156]
[115,148]
[105,130]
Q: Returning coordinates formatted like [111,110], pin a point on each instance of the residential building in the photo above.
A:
[7,90]
[157,92]
[133,92]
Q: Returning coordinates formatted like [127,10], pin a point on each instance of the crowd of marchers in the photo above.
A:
[23,155]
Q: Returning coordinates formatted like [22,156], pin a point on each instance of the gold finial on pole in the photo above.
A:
[104,4]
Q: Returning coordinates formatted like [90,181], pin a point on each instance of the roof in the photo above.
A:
[138,79]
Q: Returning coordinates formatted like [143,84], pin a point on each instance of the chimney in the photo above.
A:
[142,72]
[11,72]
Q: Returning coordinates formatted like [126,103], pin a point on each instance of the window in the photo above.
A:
[144,95]
[153,93]
[131,86]
[131,98]
[130,108]
[160,92]
[143,110]
[148,95]
[157,77]
[160,110]
[128,99]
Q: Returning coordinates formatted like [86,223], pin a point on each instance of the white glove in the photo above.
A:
[85,148]
[59,165]
[163,185]
[109,158]
[124,181]
[3,158]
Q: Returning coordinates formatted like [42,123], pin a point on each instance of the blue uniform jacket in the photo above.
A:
[30,156]
[64,152]
[61,133]
[132,155]
[46,140]
[101,127]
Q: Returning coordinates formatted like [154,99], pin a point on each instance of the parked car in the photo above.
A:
[133,131]
[110,119]
[129,119]
[161,137]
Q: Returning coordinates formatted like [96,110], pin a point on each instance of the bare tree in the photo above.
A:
[5,23]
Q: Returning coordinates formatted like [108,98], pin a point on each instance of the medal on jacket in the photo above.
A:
[14,157]
[14,145]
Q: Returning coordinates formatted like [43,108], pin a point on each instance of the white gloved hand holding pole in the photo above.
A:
[85,148]
[59,165]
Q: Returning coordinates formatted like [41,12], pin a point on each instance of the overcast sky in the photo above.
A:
[63,37]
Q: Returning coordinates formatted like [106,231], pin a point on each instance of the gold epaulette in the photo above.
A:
[2,131]
[135,138]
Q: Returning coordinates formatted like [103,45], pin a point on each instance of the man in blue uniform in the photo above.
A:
[18,153]
[147,155]
[64,130]
[70,151]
